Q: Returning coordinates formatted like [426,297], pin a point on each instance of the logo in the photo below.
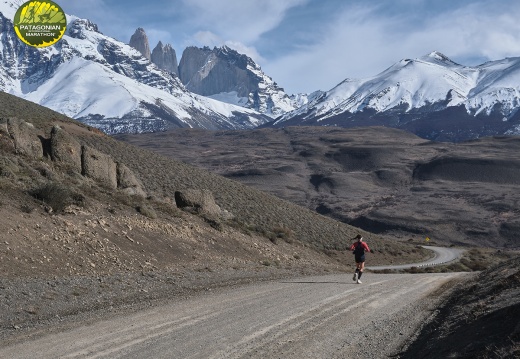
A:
[40,23]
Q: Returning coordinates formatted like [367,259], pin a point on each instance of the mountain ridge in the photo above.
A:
[420,90]
[224,74]
[431,96]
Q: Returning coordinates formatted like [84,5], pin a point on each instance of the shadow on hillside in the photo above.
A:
[480,319]
[485,337]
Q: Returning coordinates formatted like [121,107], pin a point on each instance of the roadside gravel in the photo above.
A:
[32,306]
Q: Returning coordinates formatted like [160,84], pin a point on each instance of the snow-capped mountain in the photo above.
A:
[432,96]
[226,75]
[106,83]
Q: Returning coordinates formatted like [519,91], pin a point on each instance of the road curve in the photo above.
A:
[442,255]
[311,317]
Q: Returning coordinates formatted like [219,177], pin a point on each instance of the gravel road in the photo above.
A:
[442,255]
[310,317]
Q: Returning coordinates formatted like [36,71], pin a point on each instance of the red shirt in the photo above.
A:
[363,244]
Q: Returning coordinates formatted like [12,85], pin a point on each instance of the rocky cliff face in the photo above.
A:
[165,58]
[23,138]
[209,72]
[226,75]
[139,41]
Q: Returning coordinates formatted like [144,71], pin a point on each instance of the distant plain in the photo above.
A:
[383,180]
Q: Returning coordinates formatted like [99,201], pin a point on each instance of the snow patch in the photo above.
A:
[230,97]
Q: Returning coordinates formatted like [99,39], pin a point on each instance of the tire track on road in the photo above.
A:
[315,317]
[346,312]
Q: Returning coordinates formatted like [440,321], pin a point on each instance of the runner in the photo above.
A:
[359,248]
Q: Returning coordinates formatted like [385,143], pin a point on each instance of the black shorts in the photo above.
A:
[360,259]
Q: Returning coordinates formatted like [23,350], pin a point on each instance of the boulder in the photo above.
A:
[201,200]
[64,148]
[24,137]
[6,142]
[98,166]
[127,181]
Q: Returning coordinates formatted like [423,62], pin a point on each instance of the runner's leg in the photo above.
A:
[361,268]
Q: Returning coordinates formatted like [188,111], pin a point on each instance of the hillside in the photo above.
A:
[479,321]
[383,180]
[90,223]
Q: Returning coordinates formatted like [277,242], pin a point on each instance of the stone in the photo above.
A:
[128,182]
[23,136]
[98,166]
[201,200]
[208,72]
[64,148]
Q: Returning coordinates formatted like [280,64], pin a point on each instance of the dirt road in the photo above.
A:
[441,255]
[311,317]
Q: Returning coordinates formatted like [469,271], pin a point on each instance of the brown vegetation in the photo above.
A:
[383,180]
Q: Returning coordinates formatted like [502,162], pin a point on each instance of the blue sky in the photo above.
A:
[308,45]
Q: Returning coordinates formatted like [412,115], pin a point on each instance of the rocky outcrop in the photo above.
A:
[79,28]
[98,166]
[22,137]
[208,72]
[192,61]
[165,58]
[128,182]
[139,41]
[92,163]
[200,201]
[64,148]
[222,72]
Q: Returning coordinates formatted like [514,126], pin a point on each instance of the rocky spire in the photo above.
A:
[165,58]
[139,41]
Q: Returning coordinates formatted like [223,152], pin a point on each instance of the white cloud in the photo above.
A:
[239,20]
[493,33]
[362,42]
[353,45]
[246,50]
[207,38]
[155,35]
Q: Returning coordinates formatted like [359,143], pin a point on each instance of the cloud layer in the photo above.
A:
[363,41]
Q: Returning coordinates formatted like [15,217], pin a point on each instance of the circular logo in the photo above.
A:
[40,23]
